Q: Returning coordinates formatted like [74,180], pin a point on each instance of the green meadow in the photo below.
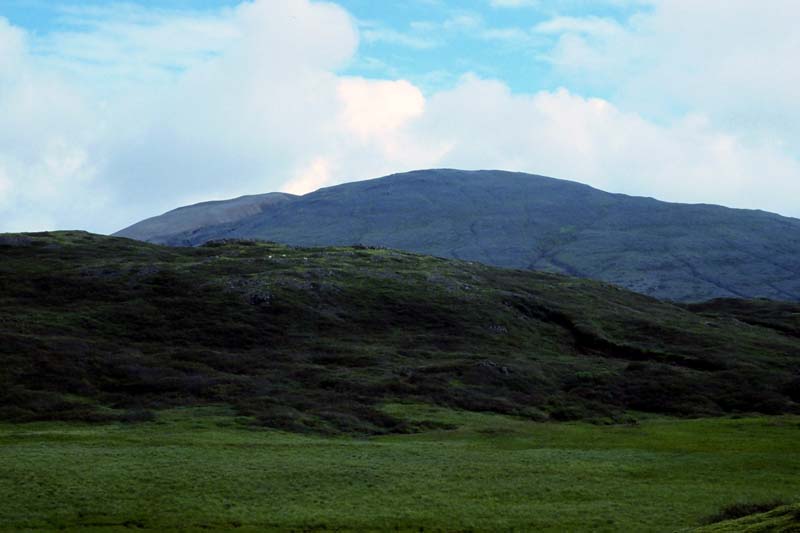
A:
[204,469]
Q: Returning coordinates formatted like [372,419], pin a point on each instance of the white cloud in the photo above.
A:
[248,100]
[462,22]
[376,108]
[235,121]
[587,25]
[591,140]
[511,35]
[372,33]
[11,46]
[5,188]
[735,60]
[513,3]
[46,127]
[128,43]
[309,178]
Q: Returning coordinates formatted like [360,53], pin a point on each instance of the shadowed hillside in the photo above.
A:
[99,328]
[672,251]
[783,519]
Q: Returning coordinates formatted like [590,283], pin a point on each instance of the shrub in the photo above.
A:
[742,509]
[137,415]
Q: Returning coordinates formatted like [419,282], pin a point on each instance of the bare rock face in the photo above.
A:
[671,251]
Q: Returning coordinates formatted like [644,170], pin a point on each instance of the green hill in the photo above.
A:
[101,328]
[671,251]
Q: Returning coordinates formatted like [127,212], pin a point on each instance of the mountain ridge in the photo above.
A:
[682,252]
[194,216]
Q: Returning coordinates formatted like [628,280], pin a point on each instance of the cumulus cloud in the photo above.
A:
[11,46]
[309,178]
[46,132]
[236,115]
[99,127]
[734,60]
[373,109]
[591,140]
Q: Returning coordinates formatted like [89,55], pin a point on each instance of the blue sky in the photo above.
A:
[430,42]
[110,112]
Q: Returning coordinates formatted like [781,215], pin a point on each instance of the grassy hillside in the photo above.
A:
[784,519]
[783,317]
[197,470]
[99,328]
[671,251]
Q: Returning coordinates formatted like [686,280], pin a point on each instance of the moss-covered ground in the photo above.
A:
[206,470]
[94,328]
[254,386]
[784,519]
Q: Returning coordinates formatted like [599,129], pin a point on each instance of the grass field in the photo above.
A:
[202,469]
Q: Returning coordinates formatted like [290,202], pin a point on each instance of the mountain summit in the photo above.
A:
[671,251]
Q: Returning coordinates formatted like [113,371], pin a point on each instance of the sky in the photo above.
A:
[114,112]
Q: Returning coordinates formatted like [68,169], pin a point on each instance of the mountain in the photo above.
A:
[671,251]
[195,217]
[317,339]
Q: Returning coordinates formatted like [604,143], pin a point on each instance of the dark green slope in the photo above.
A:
[784,317]
[95,327]
[670,251]
[784,519]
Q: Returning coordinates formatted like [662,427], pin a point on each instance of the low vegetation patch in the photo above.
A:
[779,519]
[95,328]
[738,510]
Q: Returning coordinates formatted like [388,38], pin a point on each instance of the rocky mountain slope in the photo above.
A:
[670,251]
[98,328]
[198,216]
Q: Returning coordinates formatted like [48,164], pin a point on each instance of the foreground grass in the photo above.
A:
[201,469]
